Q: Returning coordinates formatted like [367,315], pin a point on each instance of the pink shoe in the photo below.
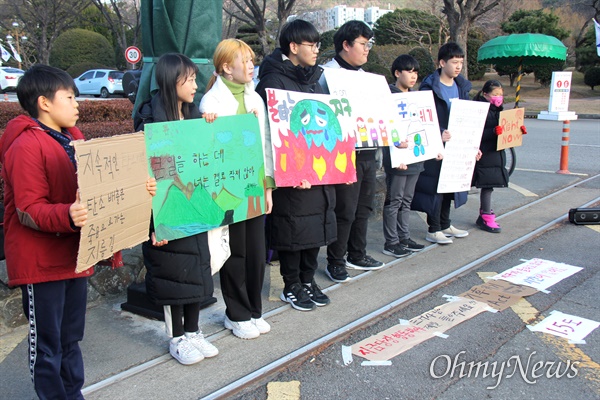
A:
[487,222]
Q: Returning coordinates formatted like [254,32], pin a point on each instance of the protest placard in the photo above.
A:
[570,327]
[208,174]
[391,342]
[538,273]
[112,174]
[466,122]
[312,138]
[498,294]
[511,122]
[446,316]
[369,95]
[414,120]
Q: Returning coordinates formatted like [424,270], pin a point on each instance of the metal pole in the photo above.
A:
[519,73]
[564,150]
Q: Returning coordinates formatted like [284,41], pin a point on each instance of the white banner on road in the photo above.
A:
[568,326]
[538,273]
[466,122]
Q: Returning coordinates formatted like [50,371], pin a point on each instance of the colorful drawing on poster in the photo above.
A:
[208,175]
[311,139]
[368,94]
[465,124]
[415,121]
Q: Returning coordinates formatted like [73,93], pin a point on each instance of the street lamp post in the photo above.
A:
[15,35]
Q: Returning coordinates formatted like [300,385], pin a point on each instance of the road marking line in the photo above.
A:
[561,347]
[283,390]
[594,227]
[546,172]
[12,340]
[276,286]
[584,145]
[521,190]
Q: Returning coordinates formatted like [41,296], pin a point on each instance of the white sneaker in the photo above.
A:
[262,325]
[452,231]
[242,329]
[206,348]
[184,351]
[437,237]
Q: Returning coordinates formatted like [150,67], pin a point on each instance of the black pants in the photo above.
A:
[56,314]
[185,318]
[440,219]
[298,266]
[353,206]
[243,274]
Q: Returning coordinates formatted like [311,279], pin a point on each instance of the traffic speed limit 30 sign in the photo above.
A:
[133,55]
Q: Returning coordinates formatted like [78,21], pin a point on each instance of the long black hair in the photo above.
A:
[171,69]
[488,87]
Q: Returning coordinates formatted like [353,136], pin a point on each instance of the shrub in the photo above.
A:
[77,46]
[426,64]
[592,77]
[543,73]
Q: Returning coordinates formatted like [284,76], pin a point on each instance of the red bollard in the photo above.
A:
[564,150]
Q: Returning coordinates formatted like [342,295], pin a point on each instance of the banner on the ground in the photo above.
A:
[511,122]
[498,294]
[391,342]
[568,326]
[369,95]
[465,124]
[312,138]
[111,175]
[208,174]
[446,316]
[538,273]
[414,120]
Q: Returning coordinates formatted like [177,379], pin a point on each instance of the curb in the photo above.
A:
[534,115]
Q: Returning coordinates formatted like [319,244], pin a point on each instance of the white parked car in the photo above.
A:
[100,82]
[9,78]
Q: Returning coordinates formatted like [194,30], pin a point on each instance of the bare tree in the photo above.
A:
[461,14]
[592,11]
[45,20]
[251,12]
[121,16]
[402,29]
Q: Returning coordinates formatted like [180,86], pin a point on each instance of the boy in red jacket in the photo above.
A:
[42,220]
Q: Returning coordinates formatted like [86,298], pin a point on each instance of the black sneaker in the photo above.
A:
[337,273]
[395,250]
[297,297]
[367,263]
[315,294]
[411,245]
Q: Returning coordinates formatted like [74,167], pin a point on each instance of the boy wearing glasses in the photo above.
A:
[303,217]
[354,202]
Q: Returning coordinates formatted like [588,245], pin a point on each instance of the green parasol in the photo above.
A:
[522,48]
[190,27]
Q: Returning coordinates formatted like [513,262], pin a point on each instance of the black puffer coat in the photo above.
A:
[490,171]
[301,218]
[178,272]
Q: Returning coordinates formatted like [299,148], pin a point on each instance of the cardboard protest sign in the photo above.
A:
[208,175]
[391,342]
[369,95]
[511,122]
[568,326]
[311,138]
[537,273]
[414,120]
[112,174]
[498,294]
[448,315]
[466,122]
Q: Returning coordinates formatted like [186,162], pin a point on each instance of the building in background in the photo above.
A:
[333,18]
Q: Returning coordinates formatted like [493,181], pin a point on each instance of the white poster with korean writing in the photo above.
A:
[538,273]
[446,316]
[466,122]
[369,95]
[312,138]
[414,120]
[570,327]
[112,174]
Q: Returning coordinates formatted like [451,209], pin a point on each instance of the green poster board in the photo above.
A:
[208,175]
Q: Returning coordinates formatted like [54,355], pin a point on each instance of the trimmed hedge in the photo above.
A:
[77,46]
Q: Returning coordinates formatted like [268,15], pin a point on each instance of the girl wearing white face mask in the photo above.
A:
[490,171]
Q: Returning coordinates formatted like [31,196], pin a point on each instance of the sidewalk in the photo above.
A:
[116,341]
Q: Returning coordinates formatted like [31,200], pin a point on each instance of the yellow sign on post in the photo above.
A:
[112,174]
[511,122]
